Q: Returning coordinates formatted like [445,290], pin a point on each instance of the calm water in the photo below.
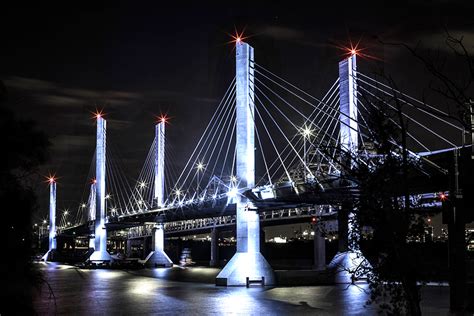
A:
[107,292]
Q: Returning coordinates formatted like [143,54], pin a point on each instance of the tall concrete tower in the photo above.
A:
[100,232]
[248,262]
[348,257]
[158,256]
[159,187]
[52,220]
[349,128]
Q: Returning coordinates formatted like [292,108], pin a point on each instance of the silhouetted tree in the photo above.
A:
[24,150]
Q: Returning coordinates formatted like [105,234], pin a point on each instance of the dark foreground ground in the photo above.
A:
[159,291]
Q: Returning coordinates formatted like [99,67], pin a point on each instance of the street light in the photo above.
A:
[306,132]
[200,167]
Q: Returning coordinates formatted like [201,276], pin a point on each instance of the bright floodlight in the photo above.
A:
[232,193]
[178,192]
[306,131]
[44,221]
[142,184]
[83,205]
[66,212]
[353,51]
[200,166]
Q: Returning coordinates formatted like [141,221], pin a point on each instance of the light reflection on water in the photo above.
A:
[141,292]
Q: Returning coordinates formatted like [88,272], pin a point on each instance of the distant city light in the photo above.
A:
[66,212]
[44,221]
[107,196]
[178,192]
[142,184]
[94,181]
[83,205]
[233,178]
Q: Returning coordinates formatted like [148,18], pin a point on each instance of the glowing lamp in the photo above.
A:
[232,193]
[442,196]
[353,52]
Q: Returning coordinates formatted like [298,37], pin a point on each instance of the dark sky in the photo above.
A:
[136,60]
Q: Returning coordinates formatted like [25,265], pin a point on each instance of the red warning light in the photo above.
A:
[51,178]
[93,181]
[442,197]
[313,220]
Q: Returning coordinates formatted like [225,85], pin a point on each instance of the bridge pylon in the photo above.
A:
[100,232]
[159,164]
[247,263]
[49,255]
[349,257]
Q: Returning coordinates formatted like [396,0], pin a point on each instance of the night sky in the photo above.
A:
[59,62]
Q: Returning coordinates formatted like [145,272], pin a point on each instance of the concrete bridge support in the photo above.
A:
[248,262]
[128,248]
[214,262]
[349,258]
[49,255]
[92,211]
[157,257]
[100,232]
[159,185]
[319,249]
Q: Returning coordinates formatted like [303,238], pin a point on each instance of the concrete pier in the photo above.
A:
[157,257]
[214,248]
[319,249]
[248,263]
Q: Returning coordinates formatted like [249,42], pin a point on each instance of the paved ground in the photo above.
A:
[155,291]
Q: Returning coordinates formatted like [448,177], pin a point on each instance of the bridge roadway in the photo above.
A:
[429,178]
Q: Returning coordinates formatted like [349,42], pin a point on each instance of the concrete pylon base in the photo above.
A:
[246,264]
[158,259]
[349,266]
[49,255]
[100,256]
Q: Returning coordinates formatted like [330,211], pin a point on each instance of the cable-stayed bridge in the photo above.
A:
[269,148]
